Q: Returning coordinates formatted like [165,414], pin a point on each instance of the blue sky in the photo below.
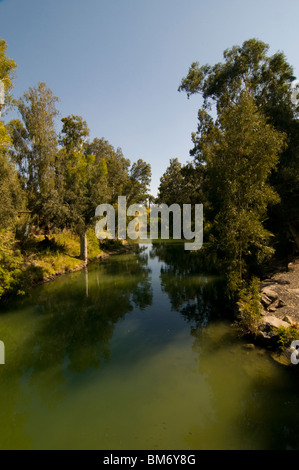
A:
[118,63]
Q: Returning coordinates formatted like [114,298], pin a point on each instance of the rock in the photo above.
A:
[270,320]
[265,300]
[285,357]
[270,293]
[294,291]
[263,335]
[249,346]
[280,303]
[289,320]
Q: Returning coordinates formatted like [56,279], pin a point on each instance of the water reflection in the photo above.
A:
[77,328]
[104,359]
[198,296]
[64,328]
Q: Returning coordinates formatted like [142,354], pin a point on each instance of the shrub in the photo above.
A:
[286,335]
[250,307]
[10,263]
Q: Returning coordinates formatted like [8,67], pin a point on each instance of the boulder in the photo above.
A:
[280,303]
[285,357]
[271,321]
[265,300]
[289,320]
[270,293]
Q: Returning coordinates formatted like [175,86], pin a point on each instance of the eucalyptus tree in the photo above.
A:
[140,179]
[83,178]
[239,150]
[10,190]
[35,150]
[118,166]
[7,72]
[269,80]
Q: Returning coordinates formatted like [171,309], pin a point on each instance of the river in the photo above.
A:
[137,352]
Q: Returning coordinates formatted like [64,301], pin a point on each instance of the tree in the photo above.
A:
[83,178]
[269,80]
[9,187]
[140,178]
[74,133]
[35,149]
[181,184]
[117,181]
[7,71]
[11,197]
[240,150]
[171,184]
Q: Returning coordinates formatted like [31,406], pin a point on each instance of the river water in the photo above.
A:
[138,353]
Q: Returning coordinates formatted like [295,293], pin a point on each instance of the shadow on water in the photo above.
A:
[193,291]
[253,399]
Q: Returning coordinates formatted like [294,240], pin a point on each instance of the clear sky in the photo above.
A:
[118,63]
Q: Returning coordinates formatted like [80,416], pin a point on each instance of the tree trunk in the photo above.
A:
[83,247]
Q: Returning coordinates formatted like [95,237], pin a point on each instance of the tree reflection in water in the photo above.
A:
[197,294]
[71,331]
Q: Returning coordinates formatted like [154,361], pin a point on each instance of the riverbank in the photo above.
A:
[279,322]
[40,259]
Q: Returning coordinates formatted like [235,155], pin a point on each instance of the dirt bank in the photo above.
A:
[285,284]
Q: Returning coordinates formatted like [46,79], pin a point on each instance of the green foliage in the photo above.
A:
[171,183]
[35,148]
[238,153]
[118,181]
[250,307]
[7,70]
[83,176]
[268,79]
[74,132]
[56,188]
[140,178]
[181,184]
[10,190]
[10,264]
[285,336]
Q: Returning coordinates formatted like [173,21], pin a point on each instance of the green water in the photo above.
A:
[138,353]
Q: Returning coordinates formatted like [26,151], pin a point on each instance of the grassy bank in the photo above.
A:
[38,259]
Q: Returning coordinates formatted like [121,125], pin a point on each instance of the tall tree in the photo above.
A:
[140,178]
[7,71]
[118,166]
[181,184]
[239,150]
[83,178]
[9,186]
[11,196]
[269,79]
[171,186]
[35,149]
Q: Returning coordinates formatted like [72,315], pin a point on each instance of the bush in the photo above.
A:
[10,263]
[250,308]
[286,335]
